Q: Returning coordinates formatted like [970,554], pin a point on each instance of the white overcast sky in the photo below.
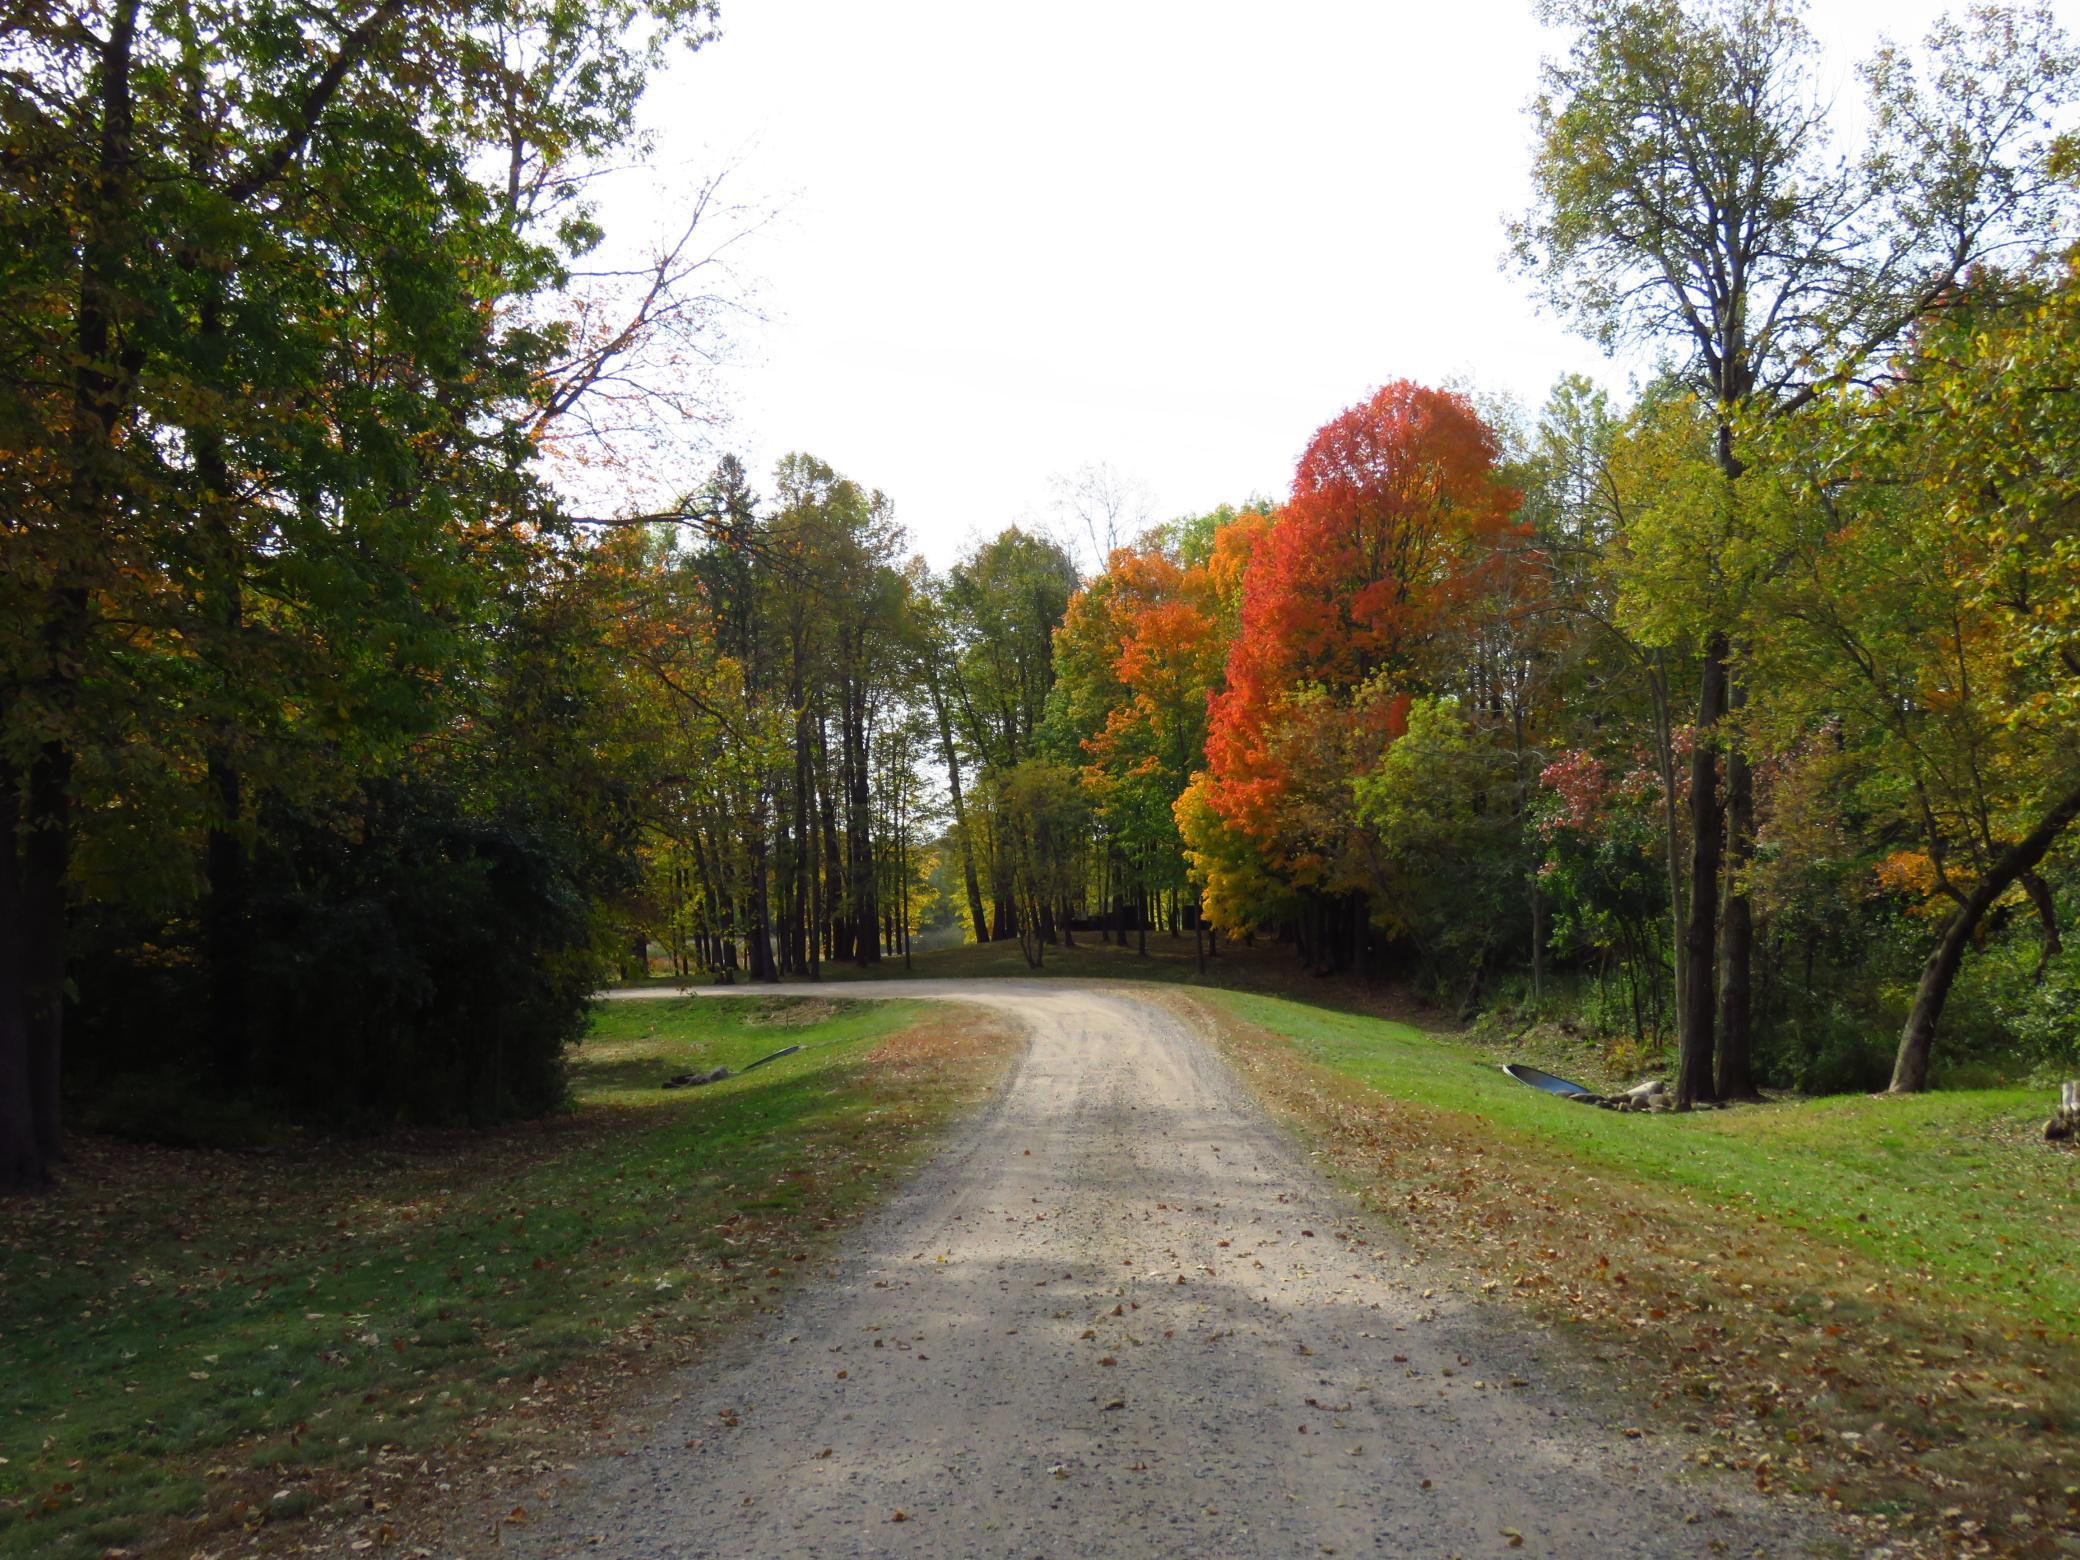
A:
[1016,239]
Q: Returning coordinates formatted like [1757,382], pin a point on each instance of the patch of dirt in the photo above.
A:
[971,1036]
[793,1012]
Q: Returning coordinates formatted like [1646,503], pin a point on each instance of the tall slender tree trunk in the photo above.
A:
[23,1166]
[1917,1039]
[1707,823]
[863,890]
[225,923]
[1671,830]
[976,918]
[222,607]
[758,935]
[96,401]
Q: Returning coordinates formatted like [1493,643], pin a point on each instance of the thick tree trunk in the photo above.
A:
[1734,1076]
[1910,1069]
[1707,821]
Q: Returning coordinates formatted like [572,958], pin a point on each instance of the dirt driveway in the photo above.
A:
[1121,1315]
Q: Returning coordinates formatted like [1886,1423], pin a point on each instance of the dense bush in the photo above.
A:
[406,963]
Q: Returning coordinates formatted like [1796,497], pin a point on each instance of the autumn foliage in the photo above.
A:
[1396,509]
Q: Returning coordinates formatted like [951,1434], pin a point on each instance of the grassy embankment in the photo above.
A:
[232,1352]
[1871,1298]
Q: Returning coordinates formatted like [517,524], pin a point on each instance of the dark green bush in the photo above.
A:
[404,963]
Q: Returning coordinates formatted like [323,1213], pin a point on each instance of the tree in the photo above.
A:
[1137,656]
[1935,605]
[1445,873]
[1394,505]
[267,371]
[1000,607]
[1687,193]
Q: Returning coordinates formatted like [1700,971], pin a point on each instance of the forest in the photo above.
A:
[345,752]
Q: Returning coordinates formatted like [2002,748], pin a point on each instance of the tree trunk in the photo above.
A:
[960,811]
[99,392]
[1672,831]
[22,1163]
[1910,1069]
[836,873]
[758,944]
[1538,940]
[2047,918]
[1694,1075]
[1734,1078]
[46,864]
[864,887]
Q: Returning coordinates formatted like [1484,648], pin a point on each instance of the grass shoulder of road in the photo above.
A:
[340,1349]
[1873,1299]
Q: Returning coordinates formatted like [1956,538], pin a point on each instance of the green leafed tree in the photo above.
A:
[1690,198]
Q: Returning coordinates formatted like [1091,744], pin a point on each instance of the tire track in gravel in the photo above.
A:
[1120,1315]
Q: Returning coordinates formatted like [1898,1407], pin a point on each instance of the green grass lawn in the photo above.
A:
[1954,1189]
[184,1335]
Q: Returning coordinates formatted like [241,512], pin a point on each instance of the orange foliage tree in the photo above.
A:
[1395,519]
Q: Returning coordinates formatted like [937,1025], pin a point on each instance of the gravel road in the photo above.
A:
[1121,1315]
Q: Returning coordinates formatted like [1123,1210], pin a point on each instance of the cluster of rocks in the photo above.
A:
[1651,1095]
[2064,1124]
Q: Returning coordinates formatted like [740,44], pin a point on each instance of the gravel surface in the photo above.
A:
[1120,1314]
